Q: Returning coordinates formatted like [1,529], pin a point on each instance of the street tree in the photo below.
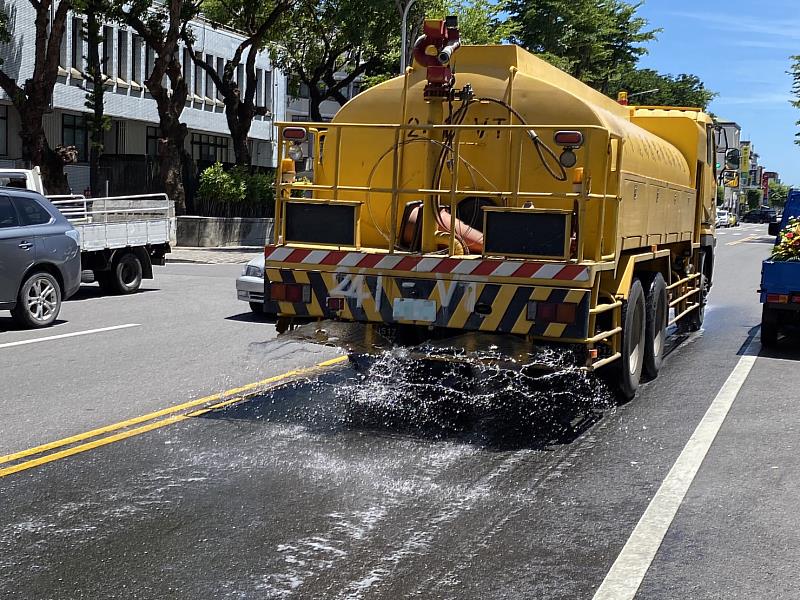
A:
[256,21]
[32,98]
[794,71]
[325,45]
[778,193]
[596,41]
[162,25]
[664,90]
[96,11]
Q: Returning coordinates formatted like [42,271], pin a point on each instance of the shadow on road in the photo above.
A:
[8,324]
[502,411]
[251,317]
[90,291]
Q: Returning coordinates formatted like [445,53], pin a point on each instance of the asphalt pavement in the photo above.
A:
[369,485]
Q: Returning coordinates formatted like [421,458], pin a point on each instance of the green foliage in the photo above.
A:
[680,90]
[788,246]
[594,40]
[320,38]
[480,22]
[754,198]
[778,193]
[235,193]
[795,73]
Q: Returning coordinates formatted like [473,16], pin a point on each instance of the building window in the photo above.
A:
[152,141]
[122,55]
[107,57]
[198,80]
[268,88]
[220,74]
[77,45]
[209,81]
[240,77]
[209,148]
[149,61]
[259,97]
[4,130]
[136,58]
[187,67]
[75,133]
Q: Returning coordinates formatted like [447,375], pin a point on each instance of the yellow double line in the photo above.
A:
[749,238]
[153,420]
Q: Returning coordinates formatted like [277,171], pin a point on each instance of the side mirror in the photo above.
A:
[733,159]
[774,228]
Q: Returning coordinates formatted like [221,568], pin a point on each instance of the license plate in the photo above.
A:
[414,309]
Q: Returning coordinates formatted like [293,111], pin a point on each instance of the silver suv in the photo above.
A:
[40,259]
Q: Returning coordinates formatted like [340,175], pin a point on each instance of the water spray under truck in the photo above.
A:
[485,193]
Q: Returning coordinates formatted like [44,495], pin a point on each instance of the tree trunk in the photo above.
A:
[36,151]
[95,99]
[239,123]
[172,158]
[315,100]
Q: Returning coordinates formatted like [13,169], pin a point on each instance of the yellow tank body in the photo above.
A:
[513,199]
[657,187]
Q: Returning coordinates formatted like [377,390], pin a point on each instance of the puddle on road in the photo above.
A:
[478,402]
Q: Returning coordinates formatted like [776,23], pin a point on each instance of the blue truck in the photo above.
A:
[780,284]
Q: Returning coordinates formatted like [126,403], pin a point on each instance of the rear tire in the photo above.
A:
[126,274]
[38,301]
[657,306]
[634,320]
[770,327]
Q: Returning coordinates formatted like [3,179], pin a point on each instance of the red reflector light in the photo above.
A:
[565,313]
[796,299]
[290,292]
[778,298]
[335,304]
[296,134]
[569,139]
[277,291]
[552,312]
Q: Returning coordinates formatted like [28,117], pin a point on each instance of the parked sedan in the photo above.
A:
[250,284]
[723,218]
[40,259]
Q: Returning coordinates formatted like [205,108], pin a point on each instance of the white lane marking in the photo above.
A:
[68,335]
[628,571]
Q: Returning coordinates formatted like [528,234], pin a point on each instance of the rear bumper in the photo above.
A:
[464,304]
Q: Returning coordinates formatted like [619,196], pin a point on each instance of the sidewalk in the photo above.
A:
[214,256]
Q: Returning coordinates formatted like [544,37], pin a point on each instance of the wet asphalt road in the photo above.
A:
[353,486]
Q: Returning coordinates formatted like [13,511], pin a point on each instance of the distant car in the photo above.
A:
[764,214]
[40,259]
[250,284]
[733,220]
[723,218]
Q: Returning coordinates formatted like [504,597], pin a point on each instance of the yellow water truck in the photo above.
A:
[486,191]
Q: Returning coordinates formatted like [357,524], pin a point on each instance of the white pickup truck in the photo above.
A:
[121,237]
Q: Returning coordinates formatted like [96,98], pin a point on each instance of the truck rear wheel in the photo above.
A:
[634,321]
[770,327]
[657,307]
[126,273]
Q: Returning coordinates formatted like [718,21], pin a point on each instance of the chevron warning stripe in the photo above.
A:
[481,267]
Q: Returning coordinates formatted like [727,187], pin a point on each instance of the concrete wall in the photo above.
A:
[215,232]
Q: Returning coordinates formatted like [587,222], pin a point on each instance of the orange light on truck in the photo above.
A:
[778,298]
[295,134]
[568,139]
[552,312]
[290,292]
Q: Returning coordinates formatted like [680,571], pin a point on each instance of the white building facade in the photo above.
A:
[134,118]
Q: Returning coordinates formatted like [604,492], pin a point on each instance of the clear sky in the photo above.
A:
[741,50]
